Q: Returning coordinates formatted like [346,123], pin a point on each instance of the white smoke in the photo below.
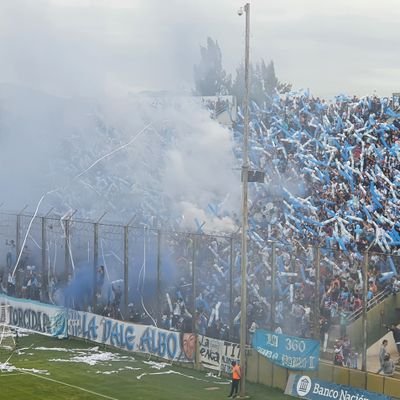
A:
[172,171]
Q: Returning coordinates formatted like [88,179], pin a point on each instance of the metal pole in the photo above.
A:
[126,262]
[364,312]
[45,261]
[194,283]
[66,252]
[159,304]
[18,233]
[245,176]
[126,265]
[273,298]
[68,255]
[96,259]
[19,251]
[45,271]
[95,263]
[18,237]
[317,255]
[231,287]
[273,285]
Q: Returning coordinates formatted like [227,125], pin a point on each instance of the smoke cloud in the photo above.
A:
[173,169]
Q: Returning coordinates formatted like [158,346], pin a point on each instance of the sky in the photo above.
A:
[112,47]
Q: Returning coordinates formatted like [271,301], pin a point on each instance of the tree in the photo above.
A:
[263,83]
[212,80]
[209,76]
[238,84]
[270,81]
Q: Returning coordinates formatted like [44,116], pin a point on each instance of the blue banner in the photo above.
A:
[169,345]
[287,351]
[34,316]
[313,389]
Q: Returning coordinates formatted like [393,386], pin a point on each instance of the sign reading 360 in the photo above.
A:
[293,344]
[287,351]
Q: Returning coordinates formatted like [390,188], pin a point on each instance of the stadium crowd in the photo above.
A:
[332,180]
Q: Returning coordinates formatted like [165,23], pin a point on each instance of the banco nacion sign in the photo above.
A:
[313,389]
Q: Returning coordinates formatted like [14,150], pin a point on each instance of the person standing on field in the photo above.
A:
[236,374]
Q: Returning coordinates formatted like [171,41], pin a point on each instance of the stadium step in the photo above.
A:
[384,313]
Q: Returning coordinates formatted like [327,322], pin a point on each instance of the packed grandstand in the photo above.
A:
[332,181]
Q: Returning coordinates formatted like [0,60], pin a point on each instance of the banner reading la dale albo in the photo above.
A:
[287,351]
[169,345]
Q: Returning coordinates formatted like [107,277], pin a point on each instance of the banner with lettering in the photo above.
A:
[35,316]
[217,354]
[169,345]
[314,389]
[287,351]
[230,352]
[209,352]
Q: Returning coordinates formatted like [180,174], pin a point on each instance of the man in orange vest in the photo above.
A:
[236,373]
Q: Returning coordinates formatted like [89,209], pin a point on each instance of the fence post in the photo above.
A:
[317,261]
[159,302]
[45,270]
[19,250]
[364,312]
[231,287]
[273,298]
[95,263]
[66,248]
[194,283]
[126,262]
[273,285]
[17,237]
[197,353]
[18,244]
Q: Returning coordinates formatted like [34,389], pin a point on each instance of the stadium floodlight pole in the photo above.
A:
[245,178]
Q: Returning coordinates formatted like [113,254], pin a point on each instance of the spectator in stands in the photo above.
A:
[178,312]
[201,322]
[353,360]
[395,285]
[346,350]
[100,280]
[338,358]
[324,332]
[115,303]
[2,288]
[382,354]
[33,285]
[11,284]
[388,365]
[343,322]
[396,336]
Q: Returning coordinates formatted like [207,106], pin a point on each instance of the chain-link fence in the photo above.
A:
[192,281]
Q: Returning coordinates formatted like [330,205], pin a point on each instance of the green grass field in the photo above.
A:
[46,368]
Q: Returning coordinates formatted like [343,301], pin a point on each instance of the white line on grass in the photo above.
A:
[72,386]
[7,374]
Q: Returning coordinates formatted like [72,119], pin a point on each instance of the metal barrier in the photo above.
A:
[371,303]
[153,274]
